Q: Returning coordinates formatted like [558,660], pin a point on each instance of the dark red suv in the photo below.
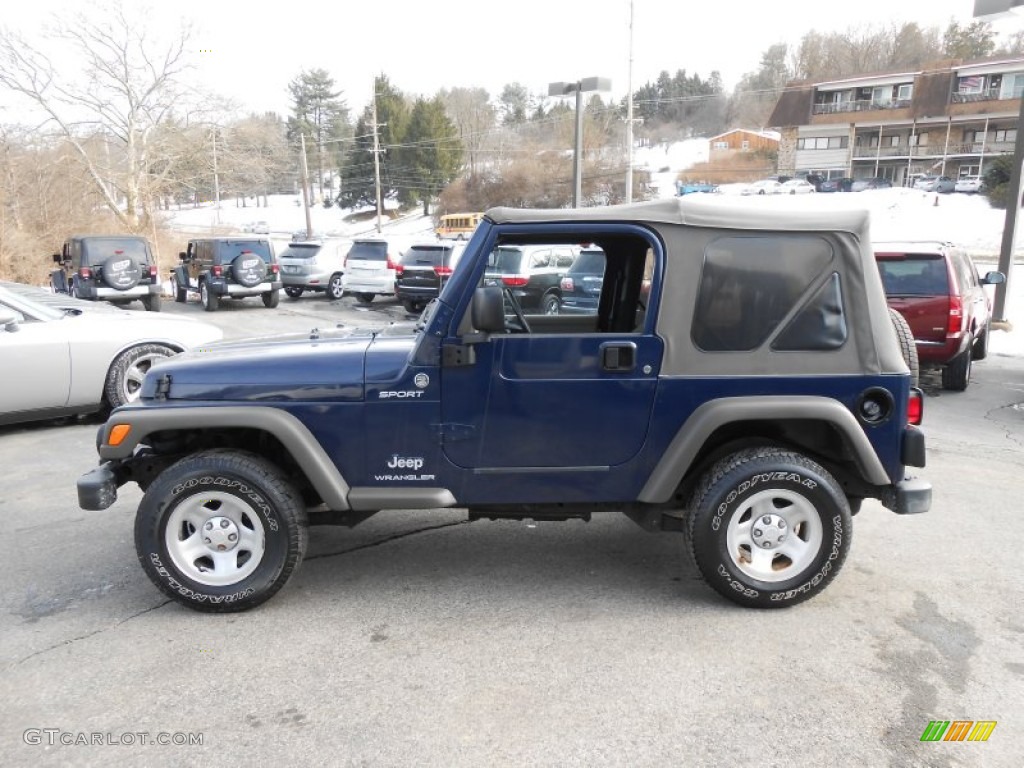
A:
[936,287]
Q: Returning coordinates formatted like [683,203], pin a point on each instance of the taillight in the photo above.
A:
[392,264]
[515,281]
[85,273]
[399,270]
[152,271]
[567,284]
[217,270]
[956,315]
[274,269]
[442,271]
[915,406]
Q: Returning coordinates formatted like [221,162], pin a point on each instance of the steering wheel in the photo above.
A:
[518,310]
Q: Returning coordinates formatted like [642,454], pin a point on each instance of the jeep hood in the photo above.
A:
[320,366]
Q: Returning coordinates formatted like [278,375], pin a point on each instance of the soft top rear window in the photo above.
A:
[231,248]
[369,250]
[97,250]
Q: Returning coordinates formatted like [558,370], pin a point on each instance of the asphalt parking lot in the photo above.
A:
[418,638]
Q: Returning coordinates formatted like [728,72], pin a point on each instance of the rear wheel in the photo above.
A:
[124,379]
[292,291]
[908,348]
[365,298]
[180,291]
[412,307]
[551,304]
[335,290]
[221,531]
[209,299]
[271,298]
[152,302]
[957,373]
[979,351]
[768,528]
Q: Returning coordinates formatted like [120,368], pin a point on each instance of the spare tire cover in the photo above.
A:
[249,269]
[121,272]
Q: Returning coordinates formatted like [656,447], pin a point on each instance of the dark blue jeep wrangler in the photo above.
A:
[739,380]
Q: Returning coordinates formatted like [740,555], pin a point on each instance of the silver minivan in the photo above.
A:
[370,269]
[313,265]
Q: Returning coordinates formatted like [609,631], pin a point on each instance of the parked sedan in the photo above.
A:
[763,187]
[797,187]
[943,184]
[836,185]
[64,356]
[875,183]
[970,184]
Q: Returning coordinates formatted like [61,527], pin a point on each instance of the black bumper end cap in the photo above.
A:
[911,497]
[97,489]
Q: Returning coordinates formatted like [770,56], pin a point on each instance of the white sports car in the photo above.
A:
[63,356]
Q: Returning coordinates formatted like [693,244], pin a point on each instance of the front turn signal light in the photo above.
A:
[118,433]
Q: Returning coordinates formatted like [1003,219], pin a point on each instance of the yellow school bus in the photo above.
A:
[457,225]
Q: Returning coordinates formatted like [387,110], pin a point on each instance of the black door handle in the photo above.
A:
[618,356]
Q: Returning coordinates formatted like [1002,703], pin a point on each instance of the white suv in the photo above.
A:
[370,269]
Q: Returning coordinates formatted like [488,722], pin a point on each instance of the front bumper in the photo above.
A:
[97,488]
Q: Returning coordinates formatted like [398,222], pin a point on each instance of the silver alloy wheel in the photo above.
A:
[335,288]
[131,381]
[215,539]
[774,535]
[204,294]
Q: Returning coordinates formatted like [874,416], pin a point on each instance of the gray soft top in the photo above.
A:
[688,226]
[716,214]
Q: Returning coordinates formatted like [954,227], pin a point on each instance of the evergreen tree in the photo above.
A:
[431,155]
[321,117]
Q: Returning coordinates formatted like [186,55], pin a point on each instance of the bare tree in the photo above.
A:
[127,86]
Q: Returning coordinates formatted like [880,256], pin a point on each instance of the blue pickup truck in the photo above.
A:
[739,380]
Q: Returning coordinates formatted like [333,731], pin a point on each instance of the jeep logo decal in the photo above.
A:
[250,263]
[402,462]
[118,266]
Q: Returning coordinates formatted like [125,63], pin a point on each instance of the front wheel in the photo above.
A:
[180,291]
[124,379]
[221,531]
[979,350]
[769,528]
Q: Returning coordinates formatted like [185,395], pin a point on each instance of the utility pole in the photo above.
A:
[629,113]
[216,179]
[376,156]
[305,187]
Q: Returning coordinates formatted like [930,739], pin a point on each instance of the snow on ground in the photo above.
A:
[896,214]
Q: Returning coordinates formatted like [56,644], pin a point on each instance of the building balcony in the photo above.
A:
[970,98]
[864,105]
[936,150]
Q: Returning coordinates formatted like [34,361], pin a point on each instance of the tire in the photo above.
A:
[271,298]
[907,346]
[121,272]
[293,291]
[209,299]
[180,291]
[153,302]
[124,378]
[365,298]
[412,307]
[801,501]
[550,304]
[979,350]
[249,502]
[335,290]
[248,269]
[956,374]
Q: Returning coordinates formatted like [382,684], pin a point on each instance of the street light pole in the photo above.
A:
[579,88]
[629,113]
[989,10]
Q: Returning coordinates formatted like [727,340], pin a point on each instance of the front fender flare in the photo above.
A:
[296,438]
[713,414]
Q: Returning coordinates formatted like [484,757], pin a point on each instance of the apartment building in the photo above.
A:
[945,119]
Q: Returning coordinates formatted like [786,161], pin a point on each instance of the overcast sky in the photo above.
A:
[250,50]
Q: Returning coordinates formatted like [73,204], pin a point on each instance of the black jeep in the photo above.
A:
[114,268]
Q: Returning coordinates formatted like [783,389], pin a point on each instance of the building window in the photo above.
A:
[721,145]
[892,141]
[823,142]
[1007,135]
[745,145]
[905,92]
[971,84]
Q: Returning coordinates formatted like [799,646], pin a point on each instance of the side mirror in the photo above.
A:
[182,256]
[58,259]
[488,311]
[9,322]
[994,278]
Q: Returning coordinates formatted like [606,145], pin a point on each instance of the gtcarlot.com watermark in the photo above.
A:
[51,737]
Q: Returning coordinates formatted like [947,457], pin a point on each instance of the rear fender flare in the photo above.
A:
[681,452]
